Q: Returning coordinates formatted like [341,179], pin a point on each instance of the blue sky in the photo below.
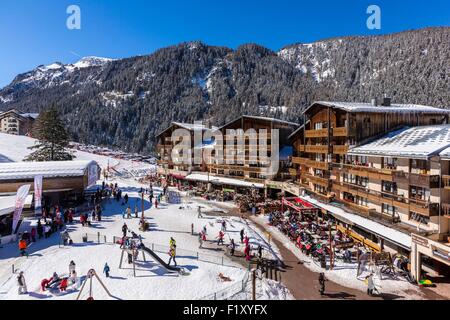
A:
[34,32]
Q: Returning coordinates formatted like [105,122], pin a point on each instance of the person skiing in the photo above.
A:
[40,229]
[71,267]
[106,270]
[232,247]
[220,238]
[21,283]
[124,229]
[23,247]
[172,254]
[242,235]
[322,283]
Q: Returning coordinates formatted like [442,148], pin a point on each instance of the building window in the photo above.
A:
[388,186]
[390,163]
[389,210]
[419,193]
[420,166]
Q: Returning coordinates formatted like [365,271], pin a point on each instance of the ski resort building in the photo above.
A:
[62,180]
[384,187]
[254,166]
[14,122]
[184,164]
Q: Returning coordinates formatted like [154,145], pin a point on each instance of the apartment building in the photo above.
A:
[183,164]
[255,166]
[331,128]
[14,122]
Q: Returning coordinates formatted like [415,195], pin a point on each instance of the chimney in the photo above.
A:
[386,101]
[375,102]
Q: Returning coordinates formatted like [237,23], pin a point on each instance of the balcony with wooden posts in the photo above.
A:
[343,132]
[337,149]
[322,165]
[362,210]
[320,133]
[417,179]
[317,149]
[324,182]
[424,207]
[446,182]
[446,210]
[366,171]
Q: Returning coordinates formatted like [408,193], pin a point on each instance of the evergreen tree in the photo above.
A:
[52,138]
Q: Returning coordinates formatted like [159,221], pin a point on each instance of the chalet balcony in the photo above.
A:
[446,209]
[316,149]
[321,133]
[446,182]
[293,172]
[343,132]
[324,182]
[300,148]
[424,207]
[322,165]
[340,149]
[418,179]
[236,168]
[299,160]
[362,210]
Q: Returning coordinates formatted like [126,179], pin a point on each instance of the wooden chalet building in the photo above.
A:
[16,123]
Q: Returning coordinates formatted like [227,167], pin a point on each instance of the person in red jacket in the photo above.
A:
[82,219]
[23,247]
[63,285]
[44,283]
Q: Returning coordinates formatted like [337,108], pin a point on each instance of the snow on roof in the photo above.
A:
[445,154]
[382,231]
[30,115]
[7,204]
[415,142]
[393,108]
[191,126]
[262,118]
[50,169]
[223,180]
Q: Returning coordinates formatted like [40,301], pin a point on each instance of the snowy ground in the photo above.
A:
[345,273]
[152,281]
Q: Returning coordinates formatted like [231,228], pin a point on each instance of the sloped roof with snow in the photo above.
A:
[50,169]
[368,107]
[293,124]
[416,142]
[7,204]
[445,154]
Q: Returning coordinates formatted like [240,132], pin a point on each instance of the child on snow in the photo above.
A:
[220,238]
[71,267]
[106,270]
[23,247]
[21,283]
[172,254]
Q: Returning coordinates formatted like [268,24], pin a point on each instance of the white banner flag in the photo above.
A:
[22,194]
[38,195]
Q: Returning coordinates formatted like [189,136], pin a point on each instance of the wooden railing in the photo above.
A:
[324,182]
[321,133]
[340,149]
[316,148]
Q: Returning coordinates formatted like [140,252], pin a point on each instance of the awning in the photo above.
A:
[223,181]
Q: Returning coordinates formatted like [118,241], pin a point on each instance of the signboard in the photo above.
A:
[274,185]
[92,174]
[419,240]
[38,195]
[22,194]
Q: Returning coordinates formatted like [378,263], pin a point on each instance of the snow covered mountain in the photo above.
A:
[125,103]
